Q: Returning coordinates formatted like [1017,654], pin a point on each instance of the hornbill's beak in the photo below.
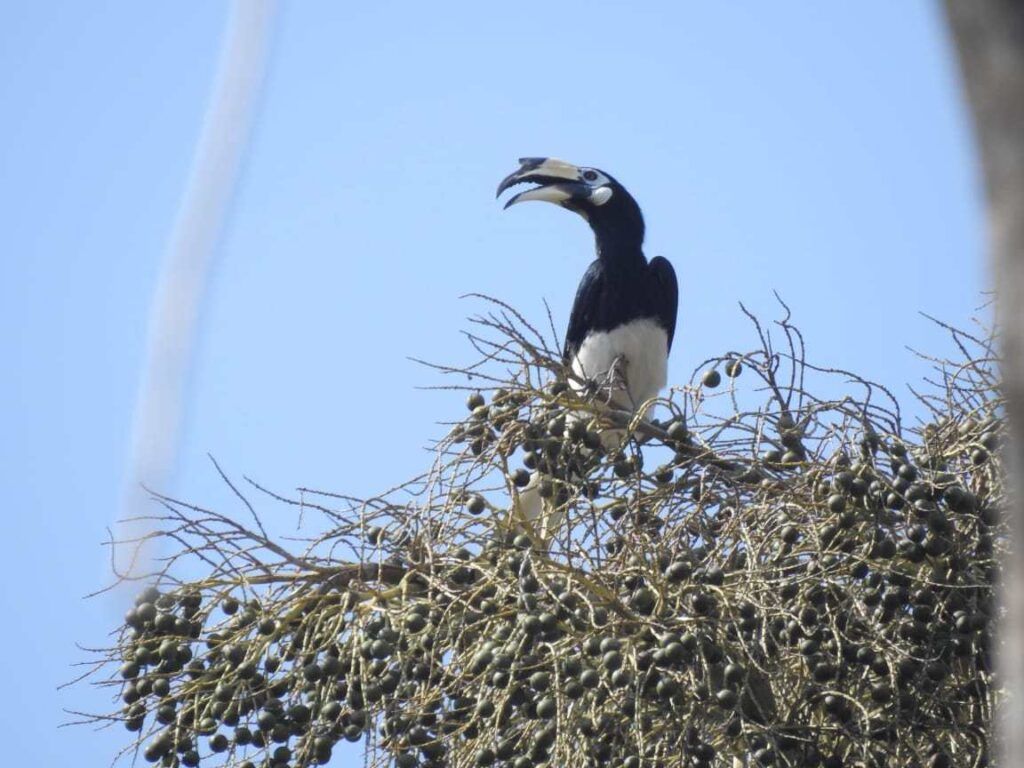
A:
[560,182]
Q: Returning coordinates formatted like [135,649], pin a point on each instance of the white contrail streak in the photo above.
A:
[205,203]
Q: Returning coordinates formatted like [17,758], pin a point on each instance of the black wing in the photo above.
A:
[664,293]
[584,309]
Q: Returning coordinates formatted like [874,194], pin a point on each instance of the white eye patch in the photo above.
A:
[601,195]
[594,177]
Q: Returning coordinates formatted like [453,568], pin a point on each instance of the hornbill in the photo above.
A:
[624,315]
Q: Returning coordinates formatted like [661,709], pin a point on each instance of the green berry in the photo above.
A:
[711,379]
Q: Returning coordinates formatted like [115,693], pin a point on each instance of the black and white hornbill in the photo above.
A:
[624,315]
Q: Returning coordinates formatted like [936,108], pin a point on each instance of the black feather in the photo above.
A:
[663,294]
[609,296]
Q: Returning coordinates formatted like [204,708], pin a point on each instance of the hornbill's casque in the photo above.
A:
[624,315]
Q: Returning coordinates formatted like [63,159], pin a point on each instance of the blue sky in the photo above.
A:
[820,150]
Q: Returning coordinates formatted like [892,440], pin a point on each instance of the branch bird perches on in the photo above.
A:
[768,576]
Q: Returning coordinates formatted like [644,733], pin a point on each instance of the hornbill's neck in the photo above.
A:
[619,247]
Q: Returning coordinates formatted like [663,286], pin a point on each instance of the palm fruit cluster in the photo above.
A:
[791,581]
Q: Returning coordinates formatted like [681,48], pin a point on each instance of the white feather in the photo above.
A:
[636,355]
[641,349]
[601,195]
[542,515]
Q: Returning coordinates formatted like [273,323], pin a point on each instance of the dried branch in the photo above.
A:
[761,574]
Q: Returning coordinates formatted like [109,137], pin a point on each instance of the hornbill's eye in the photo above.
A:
[590,175]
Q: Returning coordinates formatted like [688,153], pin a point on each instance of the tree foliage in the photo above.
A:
[761,573]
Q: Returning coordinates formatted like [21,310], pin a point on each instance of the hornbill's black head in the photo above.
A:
[606,205]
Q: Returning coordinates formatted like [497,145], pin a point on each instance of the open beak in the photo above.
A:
[558,182]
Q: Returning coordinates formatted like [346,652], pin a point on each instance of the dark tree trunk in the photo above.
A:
[989,37]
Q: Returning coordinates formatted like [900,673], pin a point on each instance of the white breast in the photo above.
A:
[640,346]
